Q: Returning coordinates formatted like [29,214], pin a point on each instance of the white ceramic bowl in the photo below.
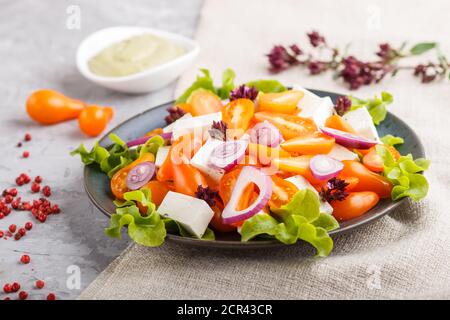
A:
[144,81]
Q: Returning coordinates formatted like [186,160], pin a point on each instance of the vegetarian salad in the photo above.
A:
[260,160]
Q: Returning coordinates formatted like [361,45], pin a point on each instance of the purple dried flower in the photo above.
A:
[280,58]
[386,52]
[316,67]
[219,130]
[343,104]
[244,92]
[335,190]
[427,73]
[358,73]
[175,113]
[316,39]
[207,194]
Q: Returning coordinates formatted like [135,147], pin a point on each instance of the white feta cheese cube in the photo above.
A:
[161,155]
[342,153]
[309,99]
[169,128]
[184,126]
[361,121]
[202,156]
[192,213]
[301,183]
[315,107]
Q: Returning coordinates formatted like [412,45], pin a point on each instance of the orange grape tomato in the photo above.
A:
[352,182]
[186,107]
[158,191]
[354,205]
[368,180]
[290,126]
[50,107]
[119,179]
[238,114]
[94,119]
[154,132]
[298,165]
[204,102]
[282,192]
[311,143]
[338,123]
[217,222]
[265,155]
[187,178]
[373,161]
[281,102]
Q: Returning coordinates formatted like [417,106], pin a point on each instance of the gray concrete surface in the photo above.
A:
[37,50]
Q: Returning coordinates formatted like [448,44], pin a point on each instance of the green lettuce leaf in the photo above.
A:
[300,219]
[377,106]
[174,227]
[391,140]
[267,85]
[205,82]
[116,156]
[148,230]
[405,175]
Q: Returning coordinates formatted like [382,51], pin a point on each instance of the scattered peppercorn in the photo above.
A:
[46,191]
[25,154]
[40,284]
[51,296]
[27,137]
[25,259]
[7,288]
[28,225]
[15,287]
[35,187]
[23,295]
[22,231]
[12,228]
[38,179]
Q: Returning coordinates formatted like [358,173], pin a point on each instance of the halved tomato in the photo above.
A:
[298,165]
[119,179]
[282,102]
[290,126]
[265,155]
[203,102]
[237,115]
[187,178]
[373,161]
[338,123]
[282,192]
[368,180]
[311,143]
[354,205]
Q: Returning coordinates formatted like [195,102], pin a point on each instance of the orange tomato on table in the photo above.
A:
[281,102]
[354,205]
[290,126]
[94,119]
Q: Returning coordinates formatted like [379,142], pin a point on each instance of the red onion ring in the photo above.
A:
[266,134]
[139,175]
[143,140]
[248,175]
[348,140]
[228,154]
[324,167]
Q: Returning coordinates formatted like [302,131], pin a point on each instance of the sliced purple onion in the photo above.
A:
[140,175]
[324,167]
[228,154]
[143,140]
[348,140]
[248,175]
[266,134]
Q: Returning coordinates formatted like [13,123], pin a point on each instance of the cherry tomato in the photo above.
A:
[119,179]
[50,107]
[298,165]
[158,190]
[226,187]
[282,192]
[311,143]
[354,205]
[352,182]
[94,119]
[373,161]
[186,107]
[338,123]
[368,180]
[187,178]
[237,115]
[204,102]
[290,126]
[282,102]
[217,222]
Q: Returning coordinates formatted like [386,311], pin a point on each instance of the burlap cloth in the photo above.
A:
[404,255]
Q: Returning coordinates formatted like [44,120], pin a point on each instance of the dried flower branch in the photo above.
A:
[356,72]
[334,191]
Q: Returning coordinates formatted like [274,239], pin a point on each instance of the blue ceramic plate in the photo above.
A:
[97,183]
